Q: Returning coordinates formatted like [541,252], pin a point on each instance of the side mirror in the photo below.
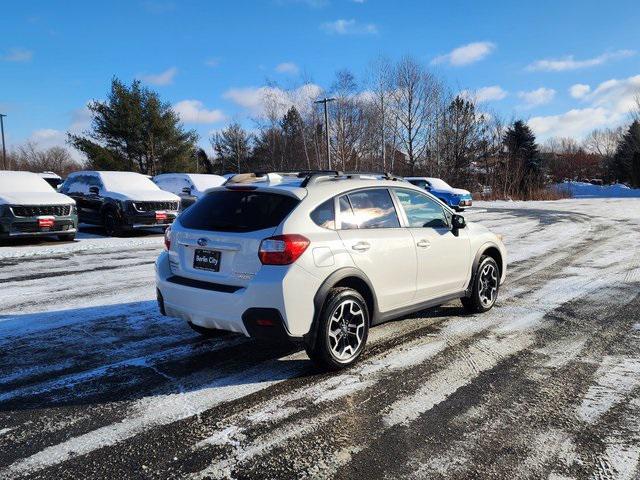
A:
[94,190]
[186,191]
[457,222]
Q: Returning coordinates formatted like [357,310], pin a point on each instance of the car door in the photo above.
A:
[93,199]
[443,258]
[371,232]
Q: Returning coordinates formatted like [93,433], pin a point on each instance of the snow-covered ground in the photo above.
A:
[587,190]
[94,383]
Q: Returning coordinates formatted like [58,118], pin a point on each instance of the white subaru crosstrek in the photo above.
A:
[319,257]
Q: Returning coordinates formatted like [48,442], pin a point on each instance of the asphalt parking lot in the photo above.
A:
[94,383]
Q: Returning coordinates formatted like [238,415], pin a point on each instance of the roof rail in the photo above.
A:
[384,175]
[309,177]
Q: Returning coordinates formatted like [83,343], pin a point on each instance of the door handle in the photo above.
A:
[423,243]
[361,247]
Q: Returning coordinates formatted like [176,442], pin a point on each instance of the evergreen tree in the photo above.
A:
[134,130]
[293,142]
[523,158]
[626,162]
[233,148]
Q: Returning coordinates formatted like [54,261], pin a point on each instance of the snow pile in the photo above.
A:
[587,190]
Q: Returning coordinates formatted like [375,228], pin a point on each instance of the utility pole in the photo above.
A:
[326,127]
[4,151]
[384,153]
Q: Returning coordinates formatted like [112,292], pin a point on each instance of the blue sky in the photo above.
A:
[566,66]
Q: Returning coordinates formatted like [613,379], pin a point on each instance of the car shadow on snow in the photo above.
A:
[125,352]
[110,353]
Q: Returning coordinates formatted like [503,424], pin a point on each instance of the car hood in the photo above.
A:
[145,196]
[460,191]
[35,198]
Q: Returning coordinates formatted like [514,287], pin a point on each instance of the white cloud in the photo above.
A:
[259,100]
[466,54]
[540,96]
[349,27]
[193,111]
[212,62]
[17,55]
[288,67]
[163,78]
[575,123]
[579,90]
[609,105]
[569,62]
[485,94]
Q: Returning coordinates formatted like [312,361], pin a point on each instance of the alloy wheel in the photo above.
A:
[346,330]
[488,285]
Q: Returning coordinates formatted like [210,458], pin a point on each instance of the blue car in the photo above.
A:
[456,198]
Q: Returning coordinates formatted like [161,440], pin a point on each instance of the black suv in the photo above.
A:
[120,201]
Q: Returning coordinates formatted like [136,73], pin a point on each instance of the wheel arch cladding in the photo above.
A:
[345,277]
[360,286]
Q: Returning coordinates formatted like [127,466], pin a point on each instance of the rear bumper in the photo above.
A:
[280,297]
[20,227]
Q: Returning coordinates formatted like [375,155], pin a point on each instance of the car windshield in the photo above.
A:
[238,211]
[439,183]
[127,182]
[23,182]
[202,181]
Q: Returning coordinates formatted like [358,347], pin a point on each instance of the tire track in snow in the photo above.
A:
[525,325]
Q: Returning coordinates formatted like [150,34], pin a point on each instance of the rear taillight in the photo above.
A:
[167,238]
[282,249]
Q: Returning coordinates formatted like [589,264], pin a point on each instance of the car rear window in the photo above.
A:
[238,211]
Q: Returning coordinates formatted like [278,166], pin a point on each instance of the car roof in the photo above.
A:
[314,184]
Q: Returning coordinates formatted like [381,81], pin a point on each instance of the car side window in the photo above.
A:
[73,184]
[324,215]
[347,218]
[93,181]
[421,210]
[370,209]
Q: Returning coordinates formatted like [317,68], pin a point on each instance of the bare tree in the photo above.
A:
[29,156]
[414,104]
[347,121]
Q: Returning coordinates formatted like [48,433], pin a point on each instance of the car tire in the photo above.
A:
[484,288]
[67,237]
[207,332]
[111,223]
[342,330]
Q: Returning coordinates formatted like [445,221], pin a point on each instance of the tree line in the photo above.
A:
[399,117]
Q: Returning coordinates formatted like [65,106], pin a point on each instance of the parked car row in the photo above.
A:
[42,204]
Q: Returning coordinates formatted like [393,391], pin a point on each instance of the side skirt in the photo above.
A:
[382,317]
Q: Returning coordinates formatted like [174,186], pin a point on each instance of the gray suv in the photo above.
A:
[30,207]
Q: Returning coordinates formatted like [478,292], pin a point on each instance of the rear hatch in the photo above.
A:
[217,239]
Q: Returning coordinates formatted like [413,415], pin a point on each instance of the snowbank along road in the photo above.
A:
[94,383]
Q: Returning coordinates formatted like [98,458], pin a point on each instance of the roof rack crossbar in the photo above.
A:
[312,176]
